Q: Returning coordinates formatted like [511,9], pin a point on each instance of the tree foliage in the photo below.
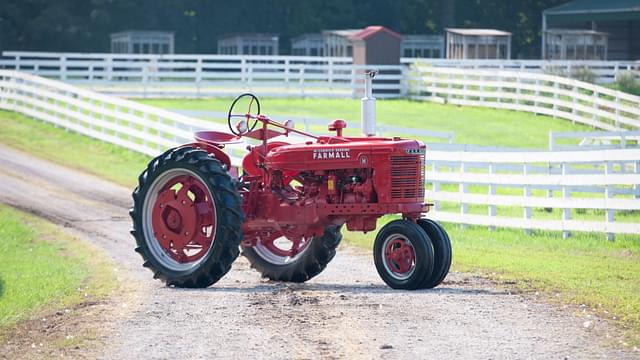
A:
[85,25]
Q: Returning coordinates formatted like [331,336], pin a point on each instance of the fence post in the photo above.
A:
[617,121]
[198,76]
[286,71]
[243,71]
[608,194]
[555,99]
[435,186]
[63,68]
[462,188]
[110,68]
[573,109]
[566,194]
[492,192]
[526,193]
[595,108]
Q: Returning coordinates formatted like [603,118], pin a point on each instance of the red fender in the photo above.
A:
[212,150]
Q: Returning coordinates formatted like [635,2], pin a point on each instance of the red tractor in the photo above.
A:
[192,213]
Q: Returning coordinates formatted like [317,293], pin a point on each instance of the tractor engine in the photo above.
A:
[305,188]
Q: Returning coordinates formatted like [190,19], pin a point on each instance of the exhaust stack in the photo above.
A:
[368,106]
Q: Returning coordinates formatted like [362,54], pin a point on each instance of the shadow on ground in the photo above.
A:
[343,289]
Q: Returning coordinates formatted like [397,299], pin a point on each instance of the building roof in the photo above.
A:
[142,33]
[249,35]
[595,10]
[575,32]
[478,32]
[372,30]
[345,33]
[307,36]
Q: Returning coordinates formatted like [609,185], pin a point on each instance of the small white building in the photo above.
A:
[307,45]
[575,44]
[478,44]
[422,46]
[248,44]
[142,42]
[338,42]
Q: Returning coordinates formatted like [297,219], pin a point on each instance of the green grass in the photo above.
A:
[79,152]
[42,269]
[583,269]
[480,126]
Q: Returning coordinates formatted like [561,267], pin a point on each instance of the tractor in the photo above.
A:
[285,209]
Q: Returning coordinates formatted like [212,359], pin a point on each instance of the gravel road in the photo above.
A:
[346,312]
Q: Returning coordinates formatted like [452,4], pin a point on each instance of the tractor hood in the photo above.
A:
[350,154]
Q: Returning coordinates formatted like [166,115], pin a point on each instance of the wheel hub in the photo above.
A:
[183,218]
[400,257]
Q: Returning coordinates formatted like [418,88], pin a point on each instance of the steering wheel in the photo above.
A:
[247,116]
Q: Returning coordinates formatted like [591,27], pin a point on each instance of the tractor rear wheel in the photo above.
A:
[187,218]
[310,261]
[441,252]
[403,255]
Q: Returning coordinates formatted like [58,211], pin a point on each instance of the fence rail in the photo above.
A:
[497,189]
[604,72]
[551,95]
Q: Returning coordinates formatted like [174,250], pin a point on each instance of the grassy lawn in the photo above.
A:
[480,126]
[42,269]
[79,152]
[585,269]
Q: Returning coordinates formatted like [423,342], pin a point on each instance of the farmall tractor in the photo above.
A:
[193,214]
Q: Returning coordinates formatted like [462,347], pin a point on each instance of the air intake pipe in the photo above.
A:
[368,105]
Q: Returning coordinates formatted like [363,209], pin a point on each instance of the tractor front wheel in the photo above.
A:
[403,255]
[272,261]
[441,252]
[187,218]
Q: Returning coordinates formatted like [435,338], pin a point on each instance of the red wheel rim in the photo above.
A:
[278,249]
[183,218]
[399,256]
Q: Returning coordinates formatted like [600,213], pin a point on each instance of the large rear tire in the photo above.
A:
[403,255]
[304,266]
[187,218]
[441,252]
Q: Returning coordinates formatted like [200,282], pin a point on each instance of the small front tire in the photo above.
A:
[403,255]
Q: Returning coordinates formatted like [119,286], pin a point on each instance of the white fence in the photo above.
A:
[556,96]
[207,75]
[132,125]
[607,183]
[505,185]
[604,72]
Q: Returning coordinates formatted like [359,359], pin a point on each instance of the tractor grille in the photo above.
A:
[407,177]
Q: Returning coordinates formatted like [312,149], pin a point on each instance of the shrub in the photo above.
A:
[584,74]
[628,82]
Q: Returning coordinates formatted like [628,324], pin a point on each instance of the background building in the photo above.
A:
[142,42]
[307,45]
[338,42]
[620,19]
[248,44]
[422,46]
[571,44]
[478,44]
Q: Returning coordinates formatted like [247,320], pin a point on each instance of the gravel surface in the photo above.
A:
[346,312]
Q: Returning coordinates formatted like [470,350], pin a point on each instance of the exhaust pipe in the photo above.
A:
[368,105]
